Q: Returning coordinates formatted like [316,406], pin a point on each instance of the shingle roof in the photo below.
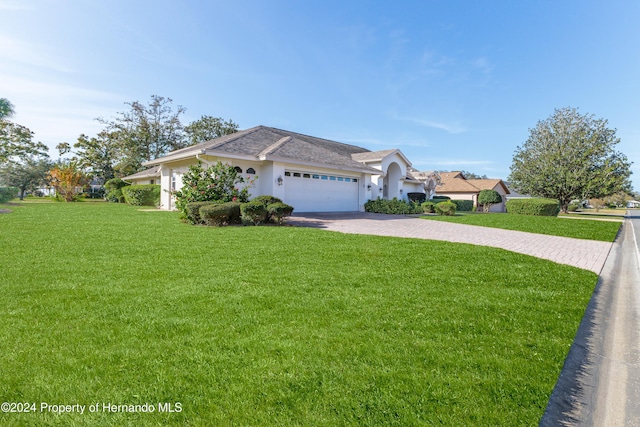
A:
[454,182]
[266,143]
[147,173]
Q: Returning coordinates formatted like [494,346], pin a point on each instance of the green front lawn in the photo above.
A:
[258,326]
[580,229]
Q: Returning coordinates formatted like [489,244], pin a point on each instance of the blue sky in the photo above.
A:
[453,84]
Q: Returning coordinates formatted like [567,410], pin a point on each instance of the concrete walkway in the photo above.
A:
[586,254]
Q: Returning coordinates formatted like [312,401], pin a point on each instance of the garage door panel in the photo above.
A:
[320,195]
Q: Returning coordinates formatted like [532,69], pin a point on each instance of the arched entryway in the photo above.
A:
[391,181]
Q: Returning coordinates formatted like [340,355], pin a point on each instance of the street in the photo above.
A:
[600,381]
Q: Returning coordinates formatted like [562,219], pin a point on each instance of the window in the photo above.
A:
[332,178]
[252,171]
[287,174]
[315,176]
[325,177]
[340,178]
[306,175]
[152,181]
[238,169]
[296,174]
[174,177]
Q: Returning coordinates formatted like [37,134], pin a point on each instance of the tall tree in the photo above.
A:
[6,109]
[16,142]
[27,175]
[146,132]
[207,128]
[570,156]
[99,155]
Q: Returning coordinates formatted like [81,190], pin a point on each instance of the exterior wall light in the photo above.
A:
[369,187]
[279,180]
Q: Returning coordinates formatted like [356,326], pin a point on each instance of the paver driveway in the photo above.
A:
[586,254]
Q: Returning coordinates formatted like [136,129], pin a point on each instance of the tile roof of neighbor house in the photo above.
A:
[267,143]
[454,182]
[147,173]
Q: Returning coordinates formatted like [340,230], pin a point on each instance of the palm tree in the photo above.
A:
[6,109]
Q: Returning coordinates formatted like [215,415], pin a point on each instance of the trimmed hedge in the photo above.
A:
[266,201]
[535,206]
[392,207]
[277,212]
[8,193]
[192,211]
[254,212]
[142,195]
[446,208]
[428,207]
[114,188]
[463,205]
[418,198]
[215,214]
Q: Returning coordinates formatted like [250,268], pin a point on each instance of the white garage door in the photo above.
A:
[313,192]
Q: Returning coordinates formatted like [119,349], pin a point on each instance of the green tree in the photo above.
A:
[98,155]
[207,128]
[16,142]
[570,156]
[6,109]
[471,175]
[219,182]
[486,198]
[146,132]
[28,175]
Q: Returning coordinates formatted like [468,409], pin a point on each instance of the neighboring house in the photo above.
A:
[457,187]
[633,204]
[148,176]
[311,174]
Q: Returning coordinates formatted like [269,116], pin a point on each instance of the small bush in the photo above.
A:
[266,201]
[392,207]
[428,207]
[463,205]
[192,212]
[8,193]
[573,208]
[113,189]
[253,213]
[142,195]
[278,212]
[438,199]
[446,208]
[234,212]
[418,198]
[536,206]
[216,214]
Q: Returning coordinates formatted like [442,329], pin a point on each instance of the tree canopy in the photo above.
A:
[570,156]
[486,198]
[143,132]
[6,109]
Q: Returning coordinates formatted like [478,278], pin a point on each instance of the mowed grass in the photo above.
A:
[259,326]
[580,229]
